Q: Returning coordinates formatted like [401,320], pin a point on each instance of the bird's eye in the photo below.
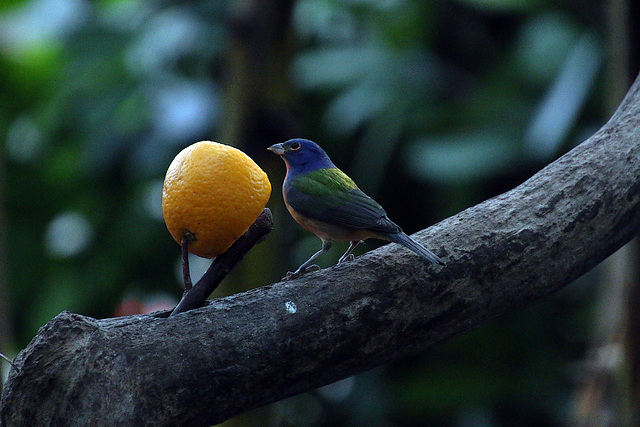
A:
[295,145]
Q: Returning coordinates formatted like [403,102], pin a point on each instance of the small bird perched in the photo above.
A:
[325,201]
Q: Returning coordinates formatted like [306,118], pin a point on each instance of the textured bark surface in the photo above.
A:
[234,354]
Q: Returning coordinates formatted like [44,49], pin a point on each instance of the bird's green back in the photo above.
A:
[329,195]
[324,182]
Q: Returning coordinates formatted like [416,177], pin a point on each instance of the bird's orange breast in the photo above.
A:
[327,231]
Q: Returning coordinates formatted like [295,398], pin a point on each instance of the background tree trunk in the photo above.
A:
[258,96]
[244,351]
[258,100]
[608,390]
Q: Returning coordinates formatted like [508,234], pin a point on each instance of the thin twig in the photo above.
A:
[8,360]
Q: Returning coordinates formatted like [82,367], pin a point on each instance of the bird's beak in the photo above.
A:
[277,149]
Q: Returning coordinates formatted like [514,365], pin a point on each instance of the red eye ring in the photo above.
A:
[295,146]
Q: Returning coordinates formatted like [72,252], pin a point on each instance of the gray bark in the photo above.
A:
[237,353]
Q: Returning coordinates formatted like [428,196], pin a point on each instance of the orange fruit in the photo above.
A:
[212,194]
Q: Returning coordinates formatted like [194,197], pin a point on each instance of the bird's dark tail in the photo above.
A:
[416,247]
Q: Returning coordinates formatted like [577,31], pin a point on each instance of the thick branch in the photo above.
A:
[250,349]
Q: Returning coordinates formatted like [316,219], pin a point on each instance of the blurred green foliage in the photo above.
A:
[430,106]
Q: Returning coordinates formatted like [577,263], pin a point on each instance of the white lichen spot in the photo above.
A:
[290,306]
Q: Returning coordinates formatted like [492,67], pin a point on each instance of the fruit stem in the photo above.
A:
[184,243]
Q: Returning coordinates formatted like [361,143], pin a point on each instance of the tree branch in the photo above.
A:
[250,349]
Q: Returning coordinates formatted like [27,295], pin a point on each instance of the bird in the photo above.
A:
[325,201]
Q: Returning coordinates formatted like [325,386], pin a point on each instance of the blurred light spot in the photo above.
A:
[124,15]
[152,199]
[68,234]
[301,410]
[24,140]
[558,111]
[333,68]
[461,158]
[166,37]
[183,109]
[159,302]
[180,111]
[474,416]
[40,20]
[338,391]
[543,45]
[197,266]
[335,21]
[504,5]
[129,307]
[327,21]
[354,106]
[139,301]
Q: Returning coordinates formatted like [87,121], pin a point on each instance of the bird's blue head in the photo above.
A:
[302,156]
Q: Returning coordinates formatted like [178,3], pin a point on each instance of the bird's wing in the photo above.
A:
[330,196]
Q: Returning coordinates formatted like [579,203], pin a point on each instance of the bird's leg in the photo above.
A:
[348,256]
[307,265]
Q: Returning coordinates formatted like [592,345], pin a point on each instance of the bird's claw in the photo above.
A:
[348,258]
[299,272]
